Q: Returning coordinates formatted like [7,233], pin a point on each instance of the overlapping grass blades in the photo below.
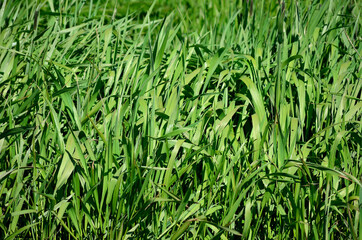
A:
[217,120]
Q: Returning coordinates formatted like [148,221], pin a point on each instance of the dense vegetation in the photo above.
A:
[180,119]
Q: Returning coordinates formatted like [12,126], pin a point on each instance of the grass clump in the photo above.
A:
[191,120]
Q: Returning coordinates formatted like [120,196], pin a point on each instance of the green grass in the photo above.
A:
[180,119]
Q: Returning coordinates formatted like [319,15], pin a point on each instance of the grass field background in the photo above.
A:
[180,119]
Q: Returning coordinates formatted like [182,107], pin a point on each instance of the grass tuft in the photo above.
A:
[180,120]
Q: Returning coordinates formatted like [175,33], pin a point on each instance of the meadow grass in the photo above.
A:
[180,119]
